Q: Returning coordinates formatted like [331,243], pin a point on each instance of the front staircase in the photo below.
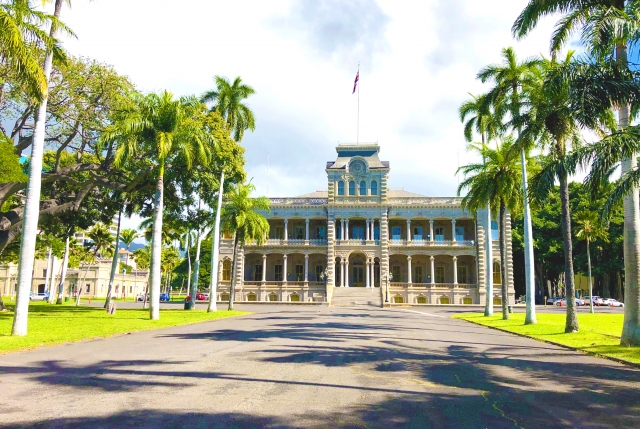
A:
[356,296]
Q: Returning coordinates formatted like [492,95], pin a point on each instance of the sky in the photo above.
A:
[418,62]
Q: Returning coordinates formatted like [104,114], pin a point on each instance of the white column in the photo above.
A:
[409,269]
[307,230]
[284,269]
[373,273]
[408,230]
[431,237]
[433,270]
[306,267]
[264,268]
[366,233]
[341,229]
[367,276]
[455,270]
[453,230]
[346,231]
[346,272]
[286,230]
[341,272]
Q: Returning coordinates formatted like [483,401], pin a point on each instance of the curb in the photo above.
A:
[564,346]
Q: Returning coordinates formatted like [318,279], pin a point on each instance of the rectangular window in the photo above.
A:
[279,233]
[376,233]
[319,270]
[352,188]
[257,273]
[417,274]
[363,188]
[396,233]
[459,233]
[439,233]
[358,233]
[278,273]
[463,276]
[417,233]
[44,273]
[374,188]
[340,188]
[299,273]
[299,232]
[397,273]
[320,233]
[497,275]
[88,288]
[440,274]
[495,234]
[226,270]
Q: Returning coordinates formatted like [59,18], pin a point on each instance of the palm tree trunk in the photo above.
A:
[572,318]
[65,265]
[232,292]
[631,326]
[32,204]
[188,261]
[196,273]
[114,262]
[213,286]
[529,269]
[503,260]
[156,248]
[488,250]
[47,280]
[590,282]
[81,284]
[52,294]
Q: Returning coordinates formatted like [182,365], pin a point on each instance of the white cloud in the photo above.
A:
[418,64]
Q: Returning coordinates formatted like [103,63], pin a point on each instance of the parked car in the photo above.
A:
[563,302]
[552,300]
[596,300]
[199,297]
[39,297]
[613,303]
[165,297]
[140,297]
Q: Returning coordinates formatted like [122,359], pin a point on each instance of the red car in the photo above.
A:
[199,297]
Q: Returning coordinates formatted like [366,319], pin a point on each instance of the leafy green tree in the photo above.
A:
[606,27]
[10,168]
[240,218]
[163,128]
[101,239]
[512,81]
[496,183]
[228,101]
[589,229]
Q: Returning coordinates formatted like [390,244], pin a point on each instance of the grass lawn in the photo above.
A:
[56,324]
[599,333]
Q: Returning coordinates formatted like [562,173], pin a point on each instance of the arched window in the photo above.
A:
[374,187]
[444,300]
[495,232]
[294,297]
[363,188]
[422,300]
[252,297]
[224,297]
[497,275]
[226,270]
[467,300]
[341,188]
[398,299]
[352,188]
[273,297]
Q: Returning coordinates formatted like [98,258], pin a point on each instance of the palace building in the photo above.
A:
[363,242]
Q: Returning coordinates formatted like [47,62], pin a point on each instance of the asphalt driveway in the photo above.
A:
[286,367]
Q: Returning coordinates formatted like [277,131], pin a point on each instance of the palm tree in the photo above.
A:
[165,128]
[497,183]
[114,261]
[589,229]
[512,80]
[142,257]
[606,27]
[32,202]
[101,237]
[128,236]
[228,101]
[239,217]
[482,120]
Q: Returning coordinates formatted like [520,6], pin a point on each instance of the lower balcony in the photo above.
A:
[448,286]
[429,243]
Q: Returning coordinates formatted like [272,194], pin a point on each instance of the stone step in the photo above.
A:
[354,296]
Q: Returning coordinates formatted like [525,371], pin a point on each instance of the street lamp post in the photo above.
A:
[387,277]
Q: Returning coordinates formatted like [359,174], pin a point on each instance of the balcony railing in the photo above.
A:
[403,242]
[317,242]
[280,284]
[299,201]
[350,242]
[435,285]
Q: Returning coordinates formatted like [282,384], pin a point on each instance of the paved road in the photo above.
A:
[286,367]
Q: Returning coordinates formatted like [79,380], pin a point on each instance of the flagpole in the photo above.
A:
[358,131]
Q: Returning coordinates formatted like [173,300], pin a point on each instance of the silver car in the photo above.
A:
[39,297]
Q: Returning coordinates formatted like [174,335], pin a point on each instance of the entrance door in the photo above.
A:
[358,276]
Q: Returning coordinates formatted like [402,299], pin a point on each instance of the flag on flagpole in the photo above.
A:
[355,83]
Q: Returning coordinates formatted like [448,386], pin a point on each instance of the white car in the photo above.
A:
[39,297]
[613,303]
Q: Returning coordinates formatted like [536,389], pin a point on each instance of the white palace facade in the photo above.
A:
[391,245]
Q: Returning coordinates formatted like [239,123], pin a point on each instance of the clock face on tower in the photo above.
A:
[357,167]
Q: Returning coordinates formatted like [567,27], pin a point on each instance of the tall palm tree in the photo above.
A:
[495,182]
[606,28]
[239,217]
[589,229]
[32,202]
[479,117]
[228,101]
[512,80]
[114,261]
[164,127]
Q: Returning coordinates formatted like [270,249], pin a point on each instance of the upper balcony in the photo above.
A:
[435,243]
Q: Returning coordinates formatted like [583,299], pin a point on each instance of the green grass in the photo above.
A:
[56,324]
[599,333]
